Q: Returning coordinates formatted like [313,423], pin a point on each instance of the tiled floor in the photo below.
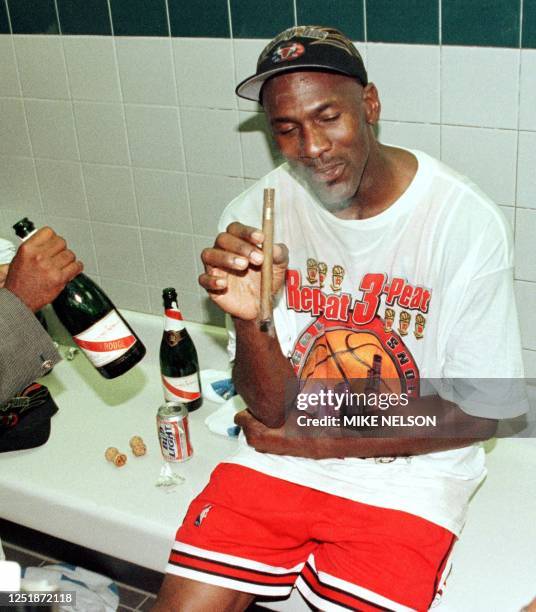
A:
[129,598]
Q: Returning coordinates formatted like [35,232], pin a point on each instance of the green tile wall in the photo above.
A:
[202,18]
[4,22]
[139,17]
[84,17]
[493,23]
[403,21]
[486,23]
[346,16]
[260,19]
[33,17]
[529,24]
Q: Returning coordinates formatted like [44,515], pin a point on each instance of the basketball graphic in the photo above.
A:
[329,350]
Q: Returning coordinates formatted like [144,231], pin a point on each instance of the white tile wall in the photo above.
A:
[479,86]
[18,184]
[13,131]
[163,200]
[211,141]
[527,94]
[146,70]
[525,245]
[8,68]
[154,137]
[170,259]
[119,253]
[42,67]
[110,194]
[529,360]
[425,137]
[132,147]
[209,194]
[62,188]
[133,296]
[260,154]
[526,167]
[92,68]
[407,78]
[526,299]
[51,127]
[486,156]
[101,132]
[205,72]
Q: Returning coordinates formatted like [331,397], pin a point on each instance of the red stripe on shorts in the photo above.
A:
[336,595]
[234,572]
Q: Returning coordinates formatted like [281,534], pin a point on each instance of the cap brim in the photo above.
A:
[250,88]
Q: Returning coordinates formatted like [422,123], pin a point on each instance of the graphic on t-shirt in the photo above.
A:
[348,339]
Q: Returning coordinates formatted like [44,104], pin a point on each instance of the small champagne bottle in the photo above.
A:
[179,365]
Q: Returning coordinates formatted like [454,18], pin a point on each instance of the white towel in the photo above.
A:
[7,251]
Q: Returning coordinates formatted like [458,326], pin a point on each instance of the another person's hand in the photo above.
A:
[3,274]
[232,274]
[41,268]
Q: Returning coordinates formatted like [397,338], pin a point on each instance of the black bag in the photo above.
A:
[25,419]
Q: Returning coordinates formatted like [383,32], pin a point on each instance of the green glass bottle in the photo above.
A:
[179,365]
[96,326]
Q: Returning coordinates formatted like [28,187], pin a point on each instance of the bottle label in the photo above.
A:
[105,340]
[183,388]
[173,321]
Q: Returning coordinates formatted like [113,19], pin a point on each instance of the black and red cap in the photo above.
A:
[304,47]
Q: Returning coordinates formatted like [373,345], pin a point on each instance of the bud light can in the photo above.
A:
[173,433]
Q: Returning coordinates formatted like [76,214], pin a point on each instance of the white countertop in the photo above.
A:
[66,488]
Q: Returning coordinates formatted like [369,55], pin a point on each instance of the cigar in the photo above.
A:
[267,263]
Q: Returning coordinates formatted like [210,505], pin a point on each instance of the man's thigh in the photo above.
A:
[245,532]
[372,558]
[183,595]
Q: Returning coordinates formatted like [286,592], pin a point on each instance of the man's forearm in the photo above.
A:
[303,437]
[261,373]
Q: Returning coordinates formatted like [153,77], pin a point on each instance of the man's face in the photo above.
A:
[319,122]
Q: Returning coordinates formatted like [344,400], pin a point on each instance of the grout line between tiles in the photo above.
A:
[6,5]
[27,551]
[129,158]
[365,22]
[77,142]
[34,165]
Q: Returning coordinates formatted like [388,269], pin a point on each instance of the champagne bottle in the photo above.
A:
[93,321]
[179,365]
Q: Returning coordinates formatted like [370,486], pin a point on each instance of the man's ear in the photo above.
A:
[371,104]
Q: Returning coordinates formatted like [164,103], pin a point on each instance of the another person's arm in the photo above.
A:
[40,270]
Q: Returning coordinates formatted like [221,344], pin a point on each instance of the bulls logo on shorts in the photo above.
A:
[202,516]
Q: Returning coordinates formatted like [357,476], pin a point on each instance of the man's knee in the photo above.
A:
[179,594]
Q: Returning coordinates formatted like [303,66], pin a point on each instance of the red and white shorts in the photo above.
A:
[251,532]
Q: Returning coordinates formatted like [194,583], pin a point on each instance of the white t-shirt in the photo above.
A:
[425,286]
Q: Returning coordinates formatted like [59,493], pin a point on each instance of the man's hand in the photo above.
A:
[232,275]
[265,439]
[41,268]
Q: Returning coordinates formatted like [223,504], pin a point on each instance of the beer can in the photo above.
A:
[173,432]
